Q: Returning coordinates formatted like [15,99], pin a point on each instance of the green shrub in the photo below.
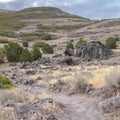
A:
[5,83]
[3,40]
[29,38]
[25,44]
[38,44]
[8,34]
[36,53]
[111,43]
[26,56]
[70,45]
[13,51]
[117,38]
[46,48]
[46,37]
[81,41]
[2,55]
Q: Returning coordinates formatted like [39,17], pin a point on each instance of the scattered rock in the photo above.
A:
[30,72]
[38,78]
[57,87]
[29,82]
[43,109]
[110,105]
[57,55]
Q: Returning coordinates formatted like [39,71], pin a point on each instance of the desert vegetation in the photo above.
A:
[15,53]
[46,48]
[70,45]
[2,55]
[5,83]
[111,43]
[58,66]
[3,40]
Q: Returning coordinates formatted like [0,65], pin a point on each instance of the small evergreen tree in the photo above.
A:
[46,48]
[36,53]
[26,56]
[13,51]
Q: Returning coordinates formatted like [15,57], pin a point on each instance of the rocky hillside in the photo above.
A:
[37,84]
[30,23]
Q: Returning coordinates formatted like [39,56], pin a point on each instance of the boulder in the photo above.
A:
[92,50]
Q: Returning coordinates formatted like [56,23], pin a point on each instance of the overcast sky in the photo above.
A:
[94,9]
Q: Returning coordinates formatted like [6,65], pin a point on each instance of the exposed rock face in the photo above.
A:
[92,50]
[110,105]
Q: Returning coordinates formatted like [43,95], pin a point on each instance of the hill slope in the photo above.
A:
[14,21]
[58,22]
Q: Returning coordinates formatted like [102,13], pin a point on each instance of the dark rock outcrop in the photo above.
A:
[92,50]
[68,58]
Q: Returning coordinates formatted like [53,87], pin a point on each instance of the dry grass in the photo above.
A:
[7,114]
[113,81]
[79,83]
[15,95]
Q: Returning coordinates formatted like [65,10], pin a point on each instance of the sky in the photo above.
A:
[93,9]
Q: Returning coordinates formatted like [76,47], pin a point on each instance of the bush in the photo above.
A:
[38,44]
[80,83]
[117,38]
[2,55]
[5,82]
[36,53]
[25,44]
[111,43]
[13,52]
[29,38]
[46,37]
[81,41]
[26,56]
[70,45]
[3,40]
[46,48]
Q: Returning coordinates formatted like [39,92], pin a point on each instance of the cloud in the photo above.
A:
[94,9]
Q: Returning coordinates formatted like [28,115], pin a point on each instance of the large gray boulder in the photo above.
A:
[92,50]
[110,105]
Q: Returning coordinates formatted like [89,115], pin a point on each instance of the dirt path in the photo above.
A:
[76,107]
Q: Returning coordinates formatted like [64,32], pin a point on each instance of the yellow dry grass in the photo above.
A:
[98,79]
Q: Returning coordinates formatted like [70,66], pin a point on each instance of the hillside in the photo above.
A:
[42,80]
[14,20]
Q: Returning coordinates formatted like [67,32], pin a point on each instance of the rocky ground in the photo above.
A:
[45,90]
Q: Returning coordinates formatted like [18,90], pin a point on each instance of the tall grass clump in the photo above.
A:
[113,82]
[5,83]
